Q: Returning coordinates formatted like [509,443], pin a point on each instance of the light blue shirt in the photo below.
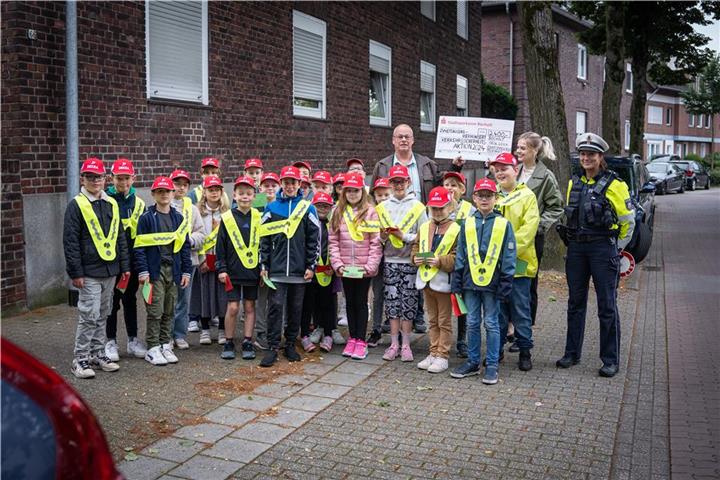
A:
[414,176]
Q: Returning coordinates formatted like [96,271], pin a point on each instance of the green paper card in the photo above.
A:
[260,200]
[147,292]
[425,254]
[269,283]
[353,272]
[461,304]
[520,267]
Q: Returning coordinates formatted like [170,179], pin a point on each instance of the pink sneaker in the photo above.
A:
[349,347]
[406,354]
[326,344]
[361,350]
[391,353]
[307,344]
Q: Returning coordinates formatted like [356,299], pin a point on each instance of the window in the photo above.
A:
[703,150]
[462,96]
[700,120]
[427,97]
[708,121]
[427,8]
[691,122]
[627,135]
[380,76]
[668,116]
[580,122]
[582,62]
[176,47]
[309,36]
[628,78]
[655,115]
[462,18]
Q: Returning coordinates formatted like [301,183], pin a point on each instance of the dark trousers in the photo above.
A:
[462,329]
[205,322]
[129,304]
[378,285]
[539,247]
[600,260]
[420,318]
[320,305]
[356,296]
[288,296]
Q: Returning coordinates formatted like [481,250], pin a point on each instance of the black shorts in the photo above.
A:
[242,292]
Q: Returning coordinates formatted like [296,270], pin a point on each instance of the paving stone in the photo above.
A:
[263,432]
[230,416]
[289,417]
[174,449]
[325,390]
[145,468]
[257,403]
[332,359]
[237,449]
[202,467]
[318,368]
[341,378]
[357,368]
[277,390]
[296,379]
[311,403]
[204,432]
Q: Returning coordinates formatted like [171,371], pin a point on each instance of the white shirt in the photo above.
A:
[412,167]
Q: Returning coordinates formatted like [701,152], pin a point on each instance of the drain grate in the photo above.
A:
[652,268]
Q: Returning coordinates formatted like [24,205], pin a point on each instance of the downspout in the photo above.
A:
[71,101]
[512,31]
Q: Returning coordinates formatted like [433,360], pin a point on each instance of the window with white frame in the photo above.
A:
[176,50]
[668,116]
[427,8]
[581,62]
[691,120]
[427,97]
[628,78]
[462,18]
[309,53]
[380,83]
[708,121]
[703,150]
[580,122]
[627,135]
[462,96]
[655,115]
[701,120]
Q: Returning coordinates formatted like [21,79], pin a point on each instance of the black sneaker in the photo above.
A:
[514,348]
[291,354]
[567,361]
[420,327]
[462,350]
[608,371]
[465,370]
[374,339]
[248,351]
[525,361]
[269,359]
[228,352]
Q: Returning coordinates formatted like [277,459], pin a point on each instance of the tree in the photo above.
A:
[706,100]
[496,101]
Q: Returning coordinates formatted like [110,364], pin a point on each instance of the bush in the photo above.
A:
[715,176]
[707,161]
[694,157]
[496,102]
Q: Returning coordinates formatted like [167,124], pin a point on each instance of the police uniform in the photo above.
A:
[600,222]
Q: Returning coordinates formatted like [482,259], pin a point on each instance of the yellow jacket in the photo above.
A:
[521,210]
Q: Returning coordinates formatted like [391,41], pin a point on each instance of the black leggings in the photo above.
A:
[129,304]
[205,322]
[356,297]
[320,304]
[539,247]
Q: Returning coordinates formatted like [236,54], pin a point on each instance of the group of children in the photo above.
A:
[286,248]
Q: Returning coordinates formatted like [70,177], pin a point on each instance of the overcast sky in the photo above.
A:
[712,31]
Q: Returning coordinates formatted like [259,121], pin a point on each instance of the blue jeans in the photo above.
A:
[517,311]
[478,303]
[182,305]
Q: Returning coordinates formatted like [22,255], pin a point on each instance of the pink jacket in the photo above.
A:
[366,253]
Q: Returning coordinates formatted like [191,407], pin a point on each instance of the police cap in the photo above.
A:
[591,142]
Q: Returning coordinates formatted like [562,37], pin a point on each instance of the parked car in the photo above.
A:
[664,157]
[666,177]
[48,431]
[695,174]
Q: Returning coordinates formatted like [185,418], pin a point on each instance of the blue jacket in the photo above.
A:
[147,259]
[501,283]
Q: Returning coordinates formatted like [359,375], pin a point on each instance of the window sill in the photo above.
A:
[375,122]
[297,116]
[427,128]
[177,103]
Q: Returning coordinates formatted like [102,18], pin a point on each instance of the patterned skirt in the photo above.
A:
[400,295]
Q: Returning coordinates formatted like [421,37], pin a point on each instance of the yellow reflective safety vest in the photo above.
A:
[356,231]
[464,211]
[198,192]
[210,241]
[323,278]
[425,271]
[104,244]
[482,270]
[187,212]
[520,208]
[132,221]
[406,223]
[248,254]
[158,239]
[289,225]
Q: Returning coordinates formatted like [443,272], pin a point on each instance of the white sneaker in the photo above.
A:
[316,335]
[111,351]
[155,356]
[205,337]
[167,352]
[221,337]
[215,321]
[423,365]
[182,344]
[338,338]
[136,348]
[193,326]
[104,363]
[81,369]
[438,365]
[342,321]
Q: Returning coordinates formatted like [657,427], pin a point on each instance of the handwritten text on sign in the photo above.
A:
[474,138]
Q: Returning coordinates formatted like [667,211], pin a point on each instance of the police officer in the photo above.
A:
[600,223]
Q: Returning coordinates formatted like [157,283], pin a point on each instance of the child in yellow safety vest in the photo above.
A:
[238,255]
[208,166]
[434,254]
[380,192]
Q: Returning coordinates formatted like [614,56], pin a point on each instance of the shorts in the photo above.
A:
[400,295]
[243,292]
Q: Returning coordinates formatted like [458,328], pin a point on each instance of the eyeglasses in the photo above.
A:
[397,181]
[404,137]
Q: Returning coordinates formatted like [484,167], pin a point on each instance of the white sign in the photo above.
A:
[474,138]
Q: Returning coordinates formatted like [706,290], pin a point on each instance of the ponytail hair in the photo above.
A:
[547,150]
[542,147]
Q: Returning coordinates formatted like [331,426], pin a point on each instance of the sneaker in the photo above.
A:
[167,352]
[228,352]
[155,356]
[462,350]
[424,364]
[307,344]
[500,359]
[81,369]
[567,361]
[439,365]
[349,348]
[260,343]
[342,321]
[525,361]
[491,375]
[316,335]
[215,321]
[338,338]
[248,351]
[291,354]
[391,353]
[361,350]
[182,344]
[205,337]
[465,370]
[111,351]
[104,363]
[406,354]
[193,326]
[269,359]
[221,337]
[374,339]
[136,348]
[420,327]
[608,370]
[514,347]
[326,344]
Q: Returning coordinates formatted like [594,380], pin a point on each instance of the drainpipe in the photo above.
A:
[512,28]
[71,101]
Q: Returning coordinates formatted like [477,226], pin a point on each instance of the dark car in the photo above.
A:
[664,157]
[695,174]
[48,432]
[666,177]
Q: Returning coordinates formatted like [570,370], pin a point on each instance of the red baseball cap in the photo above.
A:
[439,197]
[321,197]
[210,162]
[305,179]
[290,172]
[339,178]
[322,176]
[506,158]
[162,183]
[355,160]
[212,181]
[398,171]
[485,184]
[381,182]
[354,180]
[301,163]
[459,176]
[269,176]
[122,166]
[180,174]
[253,163]
[93,165]
[243,180]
